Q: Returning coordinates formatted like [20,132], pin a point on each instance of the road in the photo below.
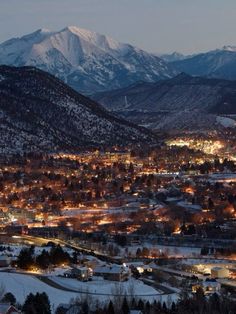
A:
[164,289]
[39,241]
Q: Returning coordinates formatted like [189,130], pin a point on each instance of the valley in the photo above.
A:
[117,157]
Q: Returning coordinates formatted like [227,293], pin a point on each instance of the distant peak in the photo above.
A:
[73,28]
[176,53]
[183,75]
[101,40]
[229,48]
[79,31]
[43,31]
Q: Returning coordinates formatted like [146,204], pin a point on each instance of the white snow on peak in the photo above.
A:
[78,55]
[229,48]
[44,30]
[81,32]
[99,40]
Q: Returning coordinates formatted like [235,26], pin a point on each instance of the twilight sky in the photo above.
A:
[155,25]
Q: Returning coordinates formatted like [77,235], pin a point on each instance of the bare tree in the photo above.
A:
[2,290]
[118,295]
[131,291]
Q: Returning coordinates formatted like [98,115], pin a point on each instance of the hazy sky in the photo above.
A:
[155,25]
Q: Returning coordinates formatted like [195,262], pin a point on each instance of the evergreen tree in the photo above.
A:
[214,302]
[9,298]
[74,257]
[43,260]
[85,307]
[37,304]
[61,310]
[173,307]
[147,307]
[125,306]
[138,252]
[164,307]
[110,309]
[58,256]
[133,303]
[25,259]
[140,305]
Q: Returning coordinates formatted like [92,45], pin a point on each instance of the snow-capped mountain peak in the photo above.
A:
[103,42]
[229,48]
[86,60]
[44,31]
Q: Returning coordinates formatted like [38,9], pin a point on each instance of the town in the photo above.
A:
[151,222]
[117,157]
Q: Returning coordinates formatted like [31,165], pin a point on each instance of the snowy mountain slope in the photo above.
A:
[220,63]
[182,102]
[87,61]
[174,56]
[40,113]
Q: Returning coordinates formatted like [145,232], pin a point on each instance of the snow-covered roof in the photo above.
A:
[4,258]
[217,268]
[211,284]
[5,307]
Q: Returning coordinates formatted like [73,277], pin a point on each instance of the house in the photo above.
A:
[113,272]
[152,267]
[140,267]
[16,229]
[219,272]
[81,273]
[209,286]
[7,308]
[5,261]
[90,263]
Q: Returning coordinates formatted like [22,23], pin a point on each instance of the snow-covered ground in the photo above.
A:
[14,250]
[226,122]
[21,285]
[103,287]
[171,251]
[189,206]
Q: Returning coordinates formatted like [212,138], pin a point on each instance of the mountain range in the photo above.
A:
[90,62]
[174,56]
[87,61]
[147,89]
[219,63]
[38,112]
[180,103]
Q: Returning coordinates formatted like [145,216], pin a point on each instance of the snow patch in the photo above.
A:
[226,122]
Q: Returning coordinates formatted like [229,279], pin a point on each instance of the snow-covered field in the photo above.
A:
[21,285]
[171,251]
[14,250]
[103,287]
[226,122]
